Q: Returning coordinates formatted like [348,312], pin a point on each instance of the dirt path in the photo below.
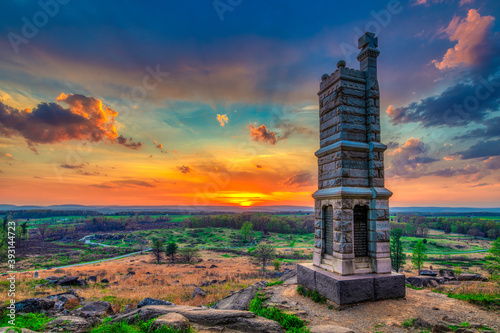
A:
[386,316]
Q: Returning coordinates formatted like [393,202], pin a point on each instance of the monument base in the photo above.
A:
[350,289]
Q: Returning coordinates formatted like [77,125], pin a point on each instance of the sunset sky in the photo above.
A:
[215,102]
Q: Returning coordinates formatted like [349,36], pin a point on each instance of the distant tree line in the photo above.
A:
[261,222]
[418,226]
[104,223]
[44,213]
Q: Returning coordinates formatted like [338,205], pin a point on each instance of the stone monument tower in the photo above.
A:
[351,203]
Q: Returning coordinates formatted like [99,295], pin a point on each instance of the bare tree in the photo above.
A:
[43,230]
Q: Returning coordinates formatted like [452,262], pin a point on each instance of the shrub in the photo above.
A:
[291,323]
[274,283]
[314,295]
[408,323]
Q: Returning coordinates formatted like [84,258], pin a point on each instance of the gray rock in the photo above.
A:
[198,292]
[92,278]
[10,330]
[70,324]
[471,277]
[421,323]
[426,272]
[330,329]
[440,328]
[172,320]
[33,305]
[289,277]
[448,274]
[153,301]
[94,309]
[243,321]
[241,299]
[69,281]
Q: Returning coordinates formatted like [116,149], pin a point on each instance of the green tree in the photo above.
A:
[494,257]
[398,258]
[157,249]
[276,264]
[263,253]
[418,255]
[246,231]
[43,230]
[171,251]
[189,254]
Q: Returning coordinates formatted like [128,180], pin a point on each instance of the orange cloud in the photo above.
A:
[262,134]
[87,118]
[222,119]
[472,37]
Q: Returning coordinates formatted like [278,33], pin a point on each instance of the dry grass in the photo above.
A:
[124,289]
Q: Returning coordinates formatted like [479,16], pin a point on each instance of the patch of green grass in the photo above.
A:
[408,323]
[138,327]
[314,295]
[291,323]
[486,300]
[274,283]
[413,287]
[32,321]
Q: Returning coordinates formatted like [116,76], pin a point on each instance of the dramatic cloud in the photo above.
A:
[472,35]
[480,185]
[87,118]
[128,143]
[288,129]
[262,134]
[482,149]
[456,106]
[301,179]
[491,130]
[132,182]
[493,163]
[392,145]
[408,158]
[184,169]
[222,119]
[258,166]
[450,172]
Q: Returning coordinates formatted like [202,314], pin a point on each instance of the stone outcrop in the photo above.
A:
[94,309]
[10,330]
[241,299]
[172,320]
[242,321]
[69,324]
[330,329]
[153,301]
[34,305]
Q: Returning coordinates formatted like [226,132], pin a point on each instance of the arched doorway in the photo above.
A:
[360,231]
[328,225]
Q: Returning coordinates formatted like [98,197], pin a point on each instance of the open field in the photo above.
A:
[172,282]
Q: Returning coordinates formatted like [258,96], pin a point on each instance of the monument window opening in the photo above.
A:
[360,231]
[328,223]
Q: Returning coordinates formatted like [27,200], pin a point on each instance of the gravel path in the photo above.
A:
[385,316]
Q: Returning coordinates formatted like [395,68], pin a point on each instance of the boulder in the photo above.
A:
[420,281]
[33,305]
[213,266]
[70,324]
[241,299]
[330,329]
[289,277]
[471,277]
[94,309]
[104,281]
[198,292]
[440,328]
[11,330]
[131,273]
[448,274]
[172,320]
[153,301]
[421,323]
[426,272]
[52,278]
[92,278]
[243,321]
[69,281]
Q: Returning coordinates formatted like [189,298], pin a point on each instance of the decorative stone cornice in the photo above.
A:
[351,146]
[352,192]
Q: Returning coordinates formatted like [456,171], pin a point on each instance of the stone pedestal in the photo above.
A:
[345,290]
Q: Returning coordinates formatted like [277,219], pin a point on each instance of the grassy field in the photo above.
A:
[211,237]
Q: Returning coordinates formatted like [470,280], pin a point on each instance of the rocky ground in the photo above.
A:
[431,311]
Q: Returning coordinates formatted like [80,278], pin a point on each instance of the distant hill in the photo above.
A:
[192,209]
[443,210]
[236,209]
